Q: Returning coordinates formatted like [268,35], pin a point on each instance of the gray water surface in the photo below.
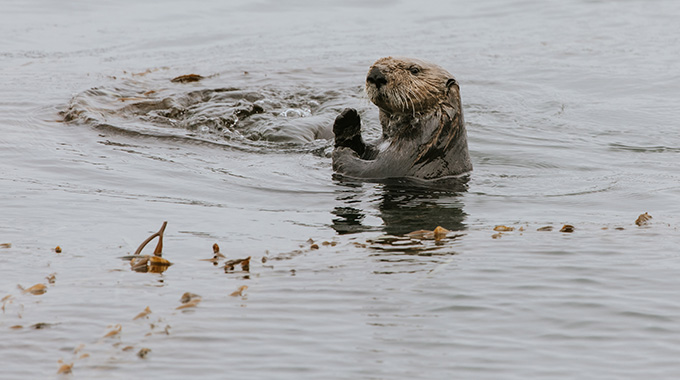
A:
[571,111]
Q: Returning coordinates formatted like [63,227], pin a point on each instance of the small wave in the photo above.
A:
[257,117]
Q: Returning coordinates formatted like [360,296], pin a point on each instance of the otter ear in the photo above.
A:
[451,82]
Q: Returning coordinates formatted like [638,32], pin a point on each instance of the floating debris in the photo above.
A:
[193,303]
[230,264]
[216,255]
[438,233]
[159,246]
[64,369]
[387,239]
[57,249]
[414,242]
[6,245]
[643,219]
[216,251]
[502,228]
[36,289]
[42,325]
[149,264]
[567,228]
[146,263]
[189,300]
[239,291]
[143,352]
[546,228]
[6,300]
[143,73]
[116,330]
[79,348]
[186,297]
[143,314]
[187,78]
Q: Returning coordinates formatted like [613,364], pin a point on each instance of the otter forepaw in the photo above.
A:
[347,126]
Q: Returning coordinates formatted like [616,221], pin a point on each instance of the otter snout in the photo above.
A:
[376,77]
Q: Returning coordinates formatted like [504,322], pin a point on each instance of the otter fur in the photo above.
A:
[423,132]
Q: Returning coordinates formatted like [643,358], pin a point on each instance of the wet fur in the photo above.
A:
[422,123]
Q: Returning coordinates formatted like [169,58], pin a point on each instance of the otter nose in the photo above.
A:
[376,77]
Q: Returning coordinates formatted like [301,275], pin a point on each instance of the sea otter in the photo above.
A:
[423,132]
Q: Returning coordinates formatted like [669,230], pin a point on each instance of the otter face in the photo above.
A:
[405,85]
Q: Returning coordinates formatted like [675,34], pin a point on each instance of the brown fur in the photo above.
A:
[422,121]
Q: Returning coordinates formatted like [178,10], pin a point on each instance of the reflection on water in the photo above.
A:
[403,205]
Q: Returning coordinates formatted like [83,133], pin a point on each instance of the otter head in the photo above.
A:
[409,86]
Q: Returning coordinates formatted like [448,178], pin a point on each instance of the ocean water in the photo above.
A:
[571,112]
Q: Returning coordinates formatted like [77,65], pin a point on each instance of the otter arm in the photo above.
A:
[347,162]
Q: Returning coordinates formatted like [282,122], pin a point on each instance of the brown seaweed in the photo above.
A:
[568,228]
[188,78]
[229,265]
[643,219]
[150,264]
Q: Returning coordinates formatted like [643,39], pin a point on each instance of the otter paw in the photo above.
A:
[347,124]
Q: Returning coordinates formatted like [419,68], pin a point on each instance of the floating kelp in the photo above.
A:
[438,233]
[186,297]
[6,245]
[229,265]
[65,368]
[6,300]
[643,219]
[568,228]
[143,314]
[149,264]
[502,228]
[52,278]
[42,325]
[419,242]
[217,256]
[115,331]
[57,249]
[186,78]
[146,263]
[189,300]
[36,289]
[143,352]
[79,348]
[545,228]
[216,251]
[239,291]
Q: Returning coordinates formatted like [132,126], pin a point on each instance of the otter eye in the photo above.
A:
[414,70]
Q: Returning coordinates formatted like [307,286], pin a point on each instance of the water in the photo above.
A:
[571,116]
